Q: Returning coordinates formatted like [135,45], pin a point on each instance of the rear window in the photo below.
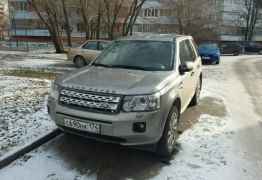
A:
[90,45]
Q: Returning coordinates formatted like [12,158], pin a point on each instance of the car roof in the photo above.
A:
[155,37]
[100,40]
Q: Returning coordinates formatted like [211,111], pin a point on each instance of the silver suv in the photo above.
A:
[132,94]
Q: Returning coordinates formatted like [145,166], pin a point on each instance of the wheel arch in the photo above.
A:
[174,102]
[76,56]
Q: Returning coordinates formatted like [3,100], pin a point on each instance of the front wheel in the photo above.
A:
[80,61]
[166,145]
[236,53]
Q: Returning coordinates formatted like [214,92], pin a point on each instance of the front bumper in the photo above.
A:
[115,128]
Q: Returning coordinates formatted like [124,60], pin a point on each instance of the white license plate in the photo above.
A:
[84,126]
[205,57]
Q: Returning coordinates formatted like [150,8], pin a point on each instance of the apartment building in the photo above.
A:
[26,25]
[232,25]
[156,17]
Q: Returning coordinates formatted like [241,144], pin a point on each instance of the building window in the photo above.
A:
[151,12]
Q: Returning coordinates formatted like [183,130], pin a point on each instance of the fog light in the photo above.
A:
[139,127]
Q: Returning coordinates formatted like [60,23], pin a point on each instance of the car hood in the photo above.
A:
[116,80]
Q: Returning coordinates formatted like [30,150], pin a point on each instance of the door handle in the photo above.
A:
[181,85]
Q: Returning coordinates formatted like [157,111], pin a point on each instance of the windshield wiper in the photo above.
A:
[102,65]
[129,67]
[120,66]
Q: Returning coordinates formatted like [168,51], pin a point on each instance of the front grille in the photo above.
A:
[89,101]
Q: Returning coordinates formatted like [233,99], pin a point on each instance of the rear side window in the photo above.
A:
[90,45]
[186,52]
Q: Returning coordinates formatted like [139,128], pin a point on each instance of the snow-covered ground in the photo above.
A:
[23,114]
[222,140]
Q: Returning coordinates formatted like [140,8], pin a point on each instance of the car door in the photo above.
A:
[90,50]
[196,59]
[186,78]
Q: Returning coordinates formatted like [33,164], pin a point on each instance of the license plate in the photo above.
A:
[205,57]
[84,126]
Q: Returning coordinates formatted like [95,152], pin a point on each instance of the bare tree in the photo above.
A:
[130,19]
[112,11]
[99,17]
[250,15]
[84,9]
[3,25]
[66,23]
[49,13]
[92,17]
[196,18]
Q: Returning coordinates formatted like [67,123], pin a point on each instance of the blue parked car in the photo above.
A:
[209,53]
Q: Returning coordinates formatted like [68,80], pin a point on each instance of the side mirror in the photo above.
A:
[186,67]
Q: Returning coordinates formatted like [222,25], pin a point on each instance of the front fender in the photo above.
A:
[168,96]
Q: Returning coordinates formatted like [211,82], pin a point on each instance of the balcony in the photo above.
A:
[30,32]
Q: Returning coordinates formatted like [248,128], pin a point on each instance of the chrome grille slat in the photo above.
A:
[92,97]
[89,101]
[89,104]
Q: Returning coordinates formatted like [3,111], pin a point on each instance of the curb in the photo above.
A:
[8,159]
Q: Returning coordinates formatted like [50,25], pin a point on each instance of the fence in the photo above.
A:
[24,45]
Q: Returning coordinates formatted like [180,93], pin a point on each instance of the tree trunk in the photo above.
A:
[98,25]
[132,17]
[67,24]
[51,23]
[84,8]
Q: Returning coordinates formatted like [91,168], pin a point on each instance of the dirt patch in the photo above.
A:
[208,105]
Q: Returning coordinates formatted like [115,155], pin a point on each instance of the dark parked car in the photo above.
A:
[253,47]
[210,53]
[231,48]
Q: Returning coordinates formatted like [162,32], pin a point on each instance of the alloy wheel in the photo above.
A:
[173,131]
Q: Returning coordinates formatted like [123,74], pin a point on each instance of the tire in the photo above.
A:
[196,98]
[236,53]
[79,62]
[166,145]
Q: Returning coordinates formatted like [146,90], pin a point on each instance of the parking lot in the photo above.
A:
[221,139]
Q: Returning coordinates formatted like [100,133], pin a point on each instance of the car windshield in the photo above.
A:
[142,55]
[208,46]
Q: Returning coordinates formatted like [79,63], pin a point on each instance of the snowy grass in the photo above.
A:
[23,111]
[30,73]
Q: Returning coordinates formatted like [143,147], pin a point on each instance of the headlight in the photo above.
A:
[141,103]
[54,90]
